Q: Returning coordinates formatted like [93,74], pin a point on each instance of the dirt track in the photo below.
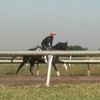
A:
[41,80]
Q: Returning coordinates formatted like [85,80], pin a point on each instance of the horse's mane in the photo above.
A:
[60,46]
[60,43]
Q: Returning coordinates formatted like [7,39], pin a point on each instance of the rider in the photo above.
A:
[47,42]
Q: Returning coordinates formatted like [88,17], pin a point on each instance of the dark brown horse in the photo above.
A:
[40,59]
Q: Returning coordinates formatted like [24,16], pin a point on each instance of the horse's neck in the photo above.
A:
[55,48]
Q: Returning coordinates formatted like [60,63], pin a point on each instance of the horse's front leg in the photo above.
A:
[66,68]
[55,67]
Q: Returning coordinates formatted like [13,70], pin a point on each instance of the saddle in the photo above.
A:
[42,57]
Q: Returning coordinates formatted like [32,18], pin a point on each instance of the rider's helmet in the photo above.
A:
[53,34]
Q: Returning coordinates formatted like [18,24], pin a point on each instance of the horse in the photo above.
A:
[36,59]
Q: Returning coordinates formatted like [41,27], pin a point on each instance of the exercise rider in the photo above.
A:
[47,43]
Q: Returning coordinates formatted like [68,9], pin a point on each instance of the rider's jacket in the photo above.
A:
[48,41]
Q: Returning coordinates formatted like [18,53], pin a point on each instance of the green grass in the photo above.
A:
[56,92]
[76,69]
[62,92]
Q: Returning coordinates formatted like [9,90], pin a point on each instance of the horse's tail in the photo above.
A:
[14,56]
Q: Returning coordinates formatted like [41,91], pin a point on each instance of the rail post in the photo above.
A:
[70,59]
[88,69]
[37,69]
[50,57]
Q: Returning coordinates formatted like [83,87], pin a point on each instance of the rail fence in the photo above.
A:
[95,55]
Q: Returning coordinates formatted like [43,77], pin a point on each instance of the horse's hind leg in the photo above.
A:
[20,66]
[31,67]
[53,63]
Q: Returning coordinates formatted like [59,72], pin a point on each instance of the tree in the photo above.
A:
[77,47]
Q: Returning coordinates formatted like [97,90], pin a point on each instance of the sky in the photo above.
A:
[25,23]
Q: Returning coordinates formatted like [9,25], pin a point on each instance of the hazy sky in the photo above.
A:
[24,23]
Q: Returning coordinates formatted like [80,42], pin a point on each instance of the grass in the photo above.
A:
[76,69]
[62,92]
[56,92]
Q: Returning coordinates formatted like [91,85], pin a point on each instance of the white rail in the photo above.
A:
[50,53]
[9,61]
[82,61]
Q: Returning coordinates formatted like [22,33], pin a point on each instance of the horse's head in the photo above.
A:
[61,46]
